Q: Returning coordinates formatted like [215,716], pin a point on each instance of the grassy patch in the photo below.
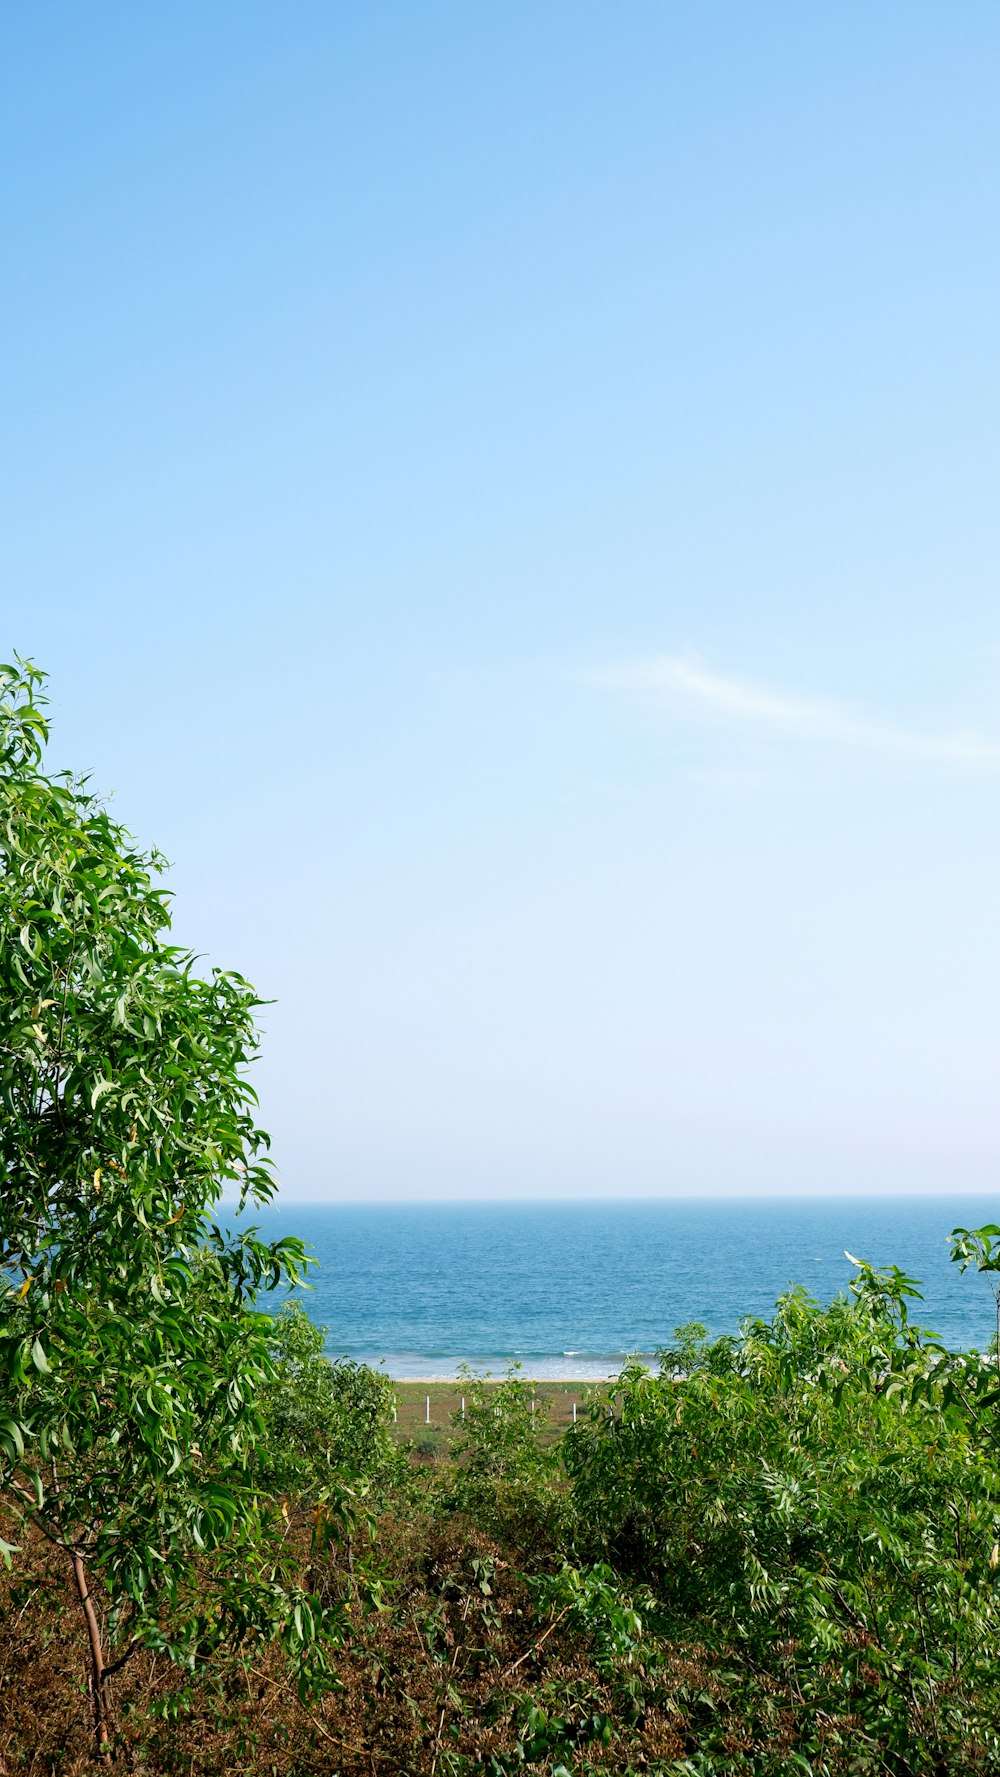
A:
[426,1408]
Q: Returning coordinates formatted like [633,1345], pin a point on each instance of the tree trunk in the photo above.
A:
[96,1676]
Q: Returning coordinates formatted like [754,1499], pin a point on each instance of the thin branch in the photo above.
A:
[123,1659]
[533,1649]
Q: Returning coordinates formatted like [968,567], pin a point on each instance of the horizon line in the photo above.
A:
[665,1197]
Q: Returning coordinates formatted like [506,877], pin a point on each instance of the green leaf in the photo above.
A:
[11,1439]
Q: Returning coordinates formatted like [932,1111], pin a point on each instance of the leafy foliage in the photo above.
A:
[132,1350]
[779,1557]
[822,1498]
[981,1247]
[322,1421]
[504,1471]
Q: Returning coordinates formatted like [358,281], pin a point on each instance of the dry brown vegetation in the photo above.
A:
[448,1669]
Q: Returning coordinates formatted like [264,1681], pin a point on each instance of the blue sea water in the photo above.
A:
[568,1289]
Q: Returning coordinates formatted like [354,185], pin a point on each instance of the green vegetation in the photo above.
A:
[324,1425]
[132,1354]
[779,1554]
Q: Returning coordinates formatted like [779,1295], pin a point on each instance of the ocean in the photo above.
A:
[569,1289]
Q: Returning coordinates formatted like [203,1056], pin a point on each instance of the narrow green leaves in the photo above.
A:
[132,1355]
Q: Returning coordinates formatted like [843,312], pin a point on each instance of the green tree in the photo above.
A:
[131,1348]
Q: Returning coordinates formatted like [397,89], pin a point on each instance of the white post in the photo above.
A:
[463,1408]
[427,1412]
[574,1412]
[532,1403]
[395,1409]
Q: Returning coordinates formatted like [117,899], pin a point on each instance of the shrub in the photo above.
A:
[506,1477]
[824,1495]
[321,1419]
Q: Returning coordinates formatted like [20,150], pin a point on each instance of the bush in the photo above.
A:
[506,1479]
[322,1419]
[823,1496]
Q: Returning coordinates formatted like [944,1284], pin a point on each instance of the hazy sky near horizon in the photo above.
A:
[507,498]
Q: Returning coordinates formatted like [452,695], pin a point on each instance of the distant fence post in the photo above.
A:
[395,1409]
[427,1410]
[463,1409]
[574,1412]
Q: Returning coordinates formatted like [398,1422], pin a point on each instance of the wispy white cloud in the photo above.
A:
[693,692]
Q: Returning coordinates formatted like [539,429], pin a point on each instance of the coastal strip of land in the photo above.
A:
[425,1409]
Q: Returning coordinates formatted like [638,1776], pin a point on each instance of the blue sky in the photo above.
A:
[507,499]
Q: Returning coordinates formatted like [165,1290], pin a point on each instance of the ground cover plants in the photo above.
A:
[785,1559]
[777,1553]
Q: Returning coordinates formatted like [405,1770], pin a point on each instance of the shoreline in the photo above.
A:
[542,1381]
